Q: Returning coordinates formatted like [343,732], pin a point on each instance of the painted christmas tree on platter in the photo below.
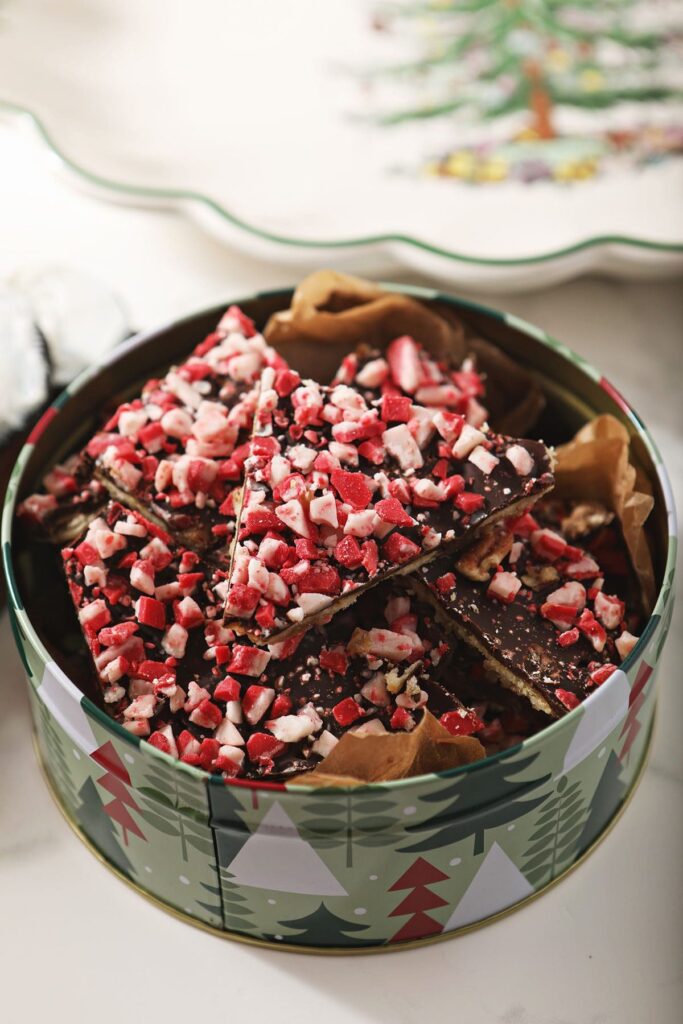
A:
[533,78]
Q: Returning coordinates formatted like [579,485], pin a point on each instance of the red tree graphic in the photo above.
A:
[116,782]
[635,702]
[418,876]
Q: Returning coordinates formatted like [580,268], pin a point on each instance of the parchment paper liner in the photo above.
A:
[331,314]
[595,466]
[360,759]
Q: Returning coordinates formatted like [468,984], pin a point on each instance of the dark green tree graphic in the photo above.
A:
[57,764]
[168,806]
[494,790]
[494,58]
[99,827]
[352,820]
[215,908]
[606,800]
[557,831]
[323,928]
[235,910]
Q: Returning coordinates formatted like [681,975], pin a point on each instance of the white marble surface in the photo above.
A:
[604,947]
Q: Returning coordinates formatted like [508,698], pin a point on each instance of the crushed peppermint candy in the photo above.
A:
[516,594]
[172,673]
[70,497]
[342,492]
[253,508]
[177,452]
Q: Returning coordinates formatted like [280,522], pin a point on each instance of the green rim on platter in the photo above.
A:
[180,196]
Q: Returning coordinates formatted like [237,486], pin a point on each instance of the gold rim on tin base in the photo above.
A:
[289,947]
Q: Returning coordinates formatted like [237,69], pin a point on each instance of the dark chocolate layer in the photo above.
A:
[549,619]
[172,673]
[176,453]
[339,495]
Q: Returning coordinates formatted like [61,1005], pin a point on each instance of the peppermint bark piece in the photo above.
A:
[407,368]
[176,452]
[69,500]
[171,673]
[142,603]
[549,620]
[341,494]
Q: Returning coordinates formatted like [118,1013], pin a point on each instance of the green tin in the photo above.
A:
[337,870]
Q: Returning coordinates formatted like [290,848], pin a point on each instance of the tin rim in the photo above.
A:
[398,947]
[425,294]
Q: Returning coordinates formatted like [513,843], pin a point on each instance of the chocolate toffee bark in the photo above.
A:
[176,453]
[406,368]
[341,494]
[69,500]
[551,619]
[172,673]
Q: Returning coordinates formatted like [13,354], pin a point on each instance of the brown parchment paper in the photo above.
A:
[331,314]
[513,397]
[361,759]
[595,465]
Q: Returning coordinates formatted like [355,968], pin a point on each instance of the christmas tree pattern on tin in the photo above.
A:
[227,810]
[497,885]
[421,899]
[350,821]
[276,857]
[98,826]
[167,800]
[508,799]
[607,798]
[555,839]
[116,782]
[237,914]
[56,762]
[322,929]
[637,697]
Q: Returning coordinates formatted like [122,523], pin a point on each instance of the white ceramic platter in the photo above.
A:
[264,121]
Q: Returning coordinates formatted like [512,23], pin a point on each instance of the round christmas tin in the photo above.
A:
[379,866]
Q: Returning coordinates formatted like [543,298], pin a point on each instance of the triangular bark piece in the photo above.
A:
[176,452]
[341,494]
[551,619]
